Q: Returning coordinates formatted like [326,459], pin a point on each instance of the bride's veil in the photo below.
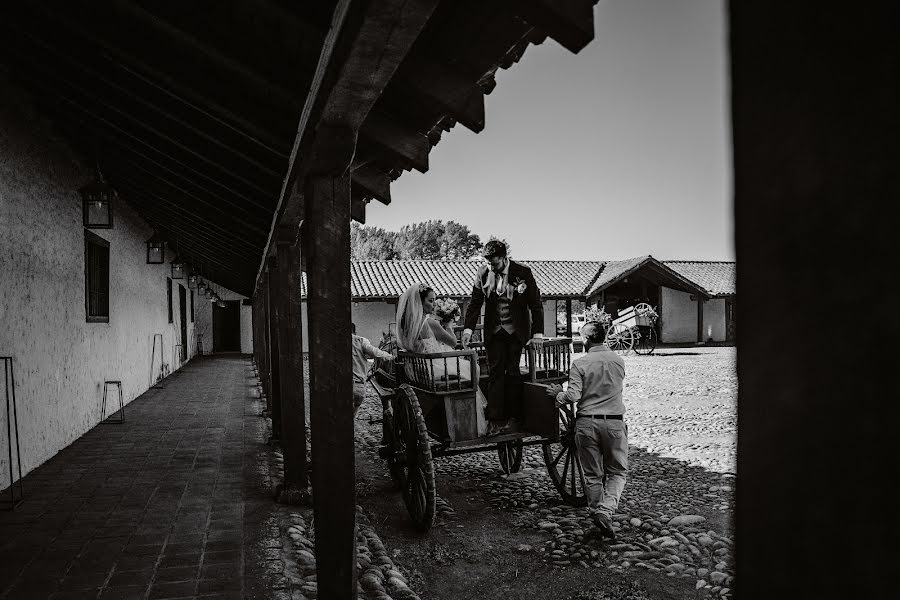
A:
[411,318]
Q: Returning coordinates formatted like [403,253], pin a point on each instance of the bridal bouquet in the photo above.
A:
[446,310]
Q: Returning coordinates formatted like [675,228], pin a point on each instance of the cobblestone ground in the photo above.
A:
[675,516]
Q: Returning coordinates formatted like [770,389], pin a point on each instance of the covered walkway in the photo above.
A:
[174,503]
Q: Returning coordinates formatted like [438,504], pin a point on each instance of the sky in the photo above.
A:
[621,150]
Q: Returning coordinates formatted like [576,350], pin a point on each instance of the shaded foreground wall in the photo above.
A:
[60,360]
[816,154]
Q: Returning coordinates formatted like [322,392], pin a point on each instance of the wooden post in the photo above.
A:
[326,235]
[266,349]
[699,319]
[568,317]
[290,343]
[275,351]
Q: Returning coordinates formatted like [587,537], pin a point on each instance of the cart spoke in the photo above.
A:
[572,484]
[565,471]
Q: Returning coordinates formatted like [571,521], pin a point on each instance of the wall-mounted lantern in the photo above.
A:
[177,268]
[193,280]
[220,303]
[96,203]
[156,250]
[201,288]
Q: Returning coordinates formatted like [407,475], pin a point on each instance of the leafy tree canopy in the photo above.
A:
[428,240]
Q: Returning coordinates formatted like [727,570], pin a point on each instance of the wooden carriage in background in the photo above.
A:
[429,411]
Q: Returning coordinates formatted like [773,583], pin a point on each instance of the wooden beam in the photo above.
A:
[358,209]
[160,207]
[293,401]
[372,182]
[124,125]
[405,144]
[219,248]
[569,22]
[450,89]
[699,318]
[162,80]
[245,78]
[118,91]
[362,51]
[326,236]
[265,374]
[106,134]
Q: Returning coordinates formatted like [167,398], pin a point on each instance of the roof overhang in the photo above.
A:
[656,272]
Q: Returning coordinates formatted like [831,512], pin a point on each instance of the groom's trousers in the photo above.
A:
[504,353]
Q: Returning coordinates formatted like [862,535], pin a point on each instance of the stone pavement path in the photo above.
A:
[174,503]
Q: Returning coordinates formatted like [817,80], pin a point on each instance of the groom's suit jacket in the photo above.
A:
[525,308]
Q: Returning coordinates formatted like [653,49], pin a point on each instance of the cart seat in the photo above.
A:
[441,372]
[551,364]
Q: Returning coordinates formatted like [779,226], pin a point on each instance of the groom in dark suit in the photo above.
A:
[513,318]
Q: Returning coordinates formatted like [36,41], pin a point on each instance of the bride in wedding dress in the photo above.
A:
[418,331]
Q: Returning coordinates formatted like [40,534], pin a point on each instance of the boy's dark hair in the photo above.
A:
[494,248]
[597,333]
[353,327]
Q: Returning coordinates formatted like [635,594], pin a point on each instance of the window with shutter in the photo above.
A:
[96,278]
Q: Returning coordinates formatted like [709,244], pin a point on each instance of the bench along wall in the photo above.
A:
[60,360]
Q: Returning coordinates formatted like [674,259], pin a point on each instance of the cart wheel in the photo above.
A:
[510,454]
[416,472]
[619,338]
[563,464]
[646,340]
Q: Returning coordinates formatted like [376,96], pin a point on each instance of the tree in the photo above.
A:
[371,243]
[428,240]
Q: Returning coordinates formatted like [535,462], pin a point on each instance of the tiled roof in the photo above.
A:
[613,269]
[564,277]
[376,279]
[390,278]
[371,279]
[715,277]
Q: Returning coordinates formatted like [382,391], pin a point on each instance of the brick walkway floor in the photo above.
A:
[174,503]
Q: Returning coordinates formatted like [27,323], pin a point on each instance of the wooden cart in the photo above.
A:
[428,415]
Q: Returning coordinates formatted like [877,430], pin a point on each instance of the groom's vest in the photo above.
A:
[504,313]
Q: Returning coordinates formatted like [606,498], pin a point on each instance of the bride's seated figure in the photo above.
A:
[418,331]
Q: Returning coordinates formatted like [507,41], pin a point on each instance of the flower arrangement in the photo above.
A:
[446,309]
[597,314]
[645,310]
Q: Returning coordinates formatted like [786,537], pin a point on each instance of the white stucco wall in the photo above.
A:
[679,317]
[714,319]
[60,360]
[372,318]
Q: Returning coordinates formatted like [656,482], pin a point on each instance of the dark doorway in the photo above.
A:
[182,303]
[227,327]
